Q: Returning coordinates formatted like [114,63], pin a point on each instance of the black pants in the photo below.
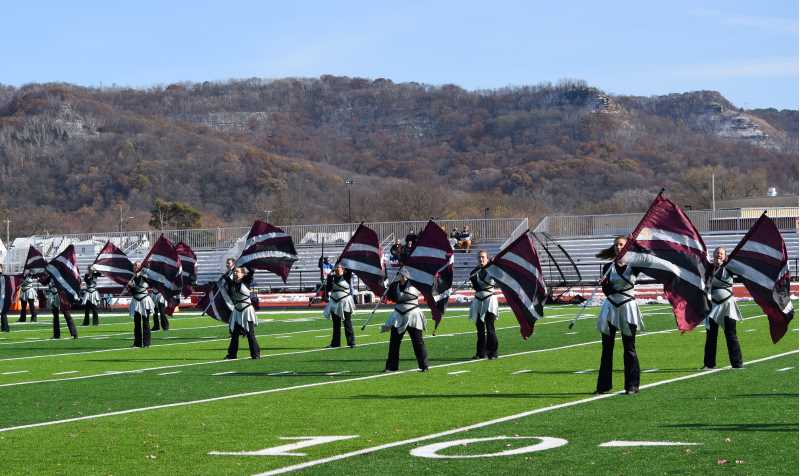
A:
[487,337]
[57,326]
[630,360]
[734,351]
[141,330]
[89,307]
[393,360]
[349,335]
[23,314]
[4,323]
[252,343]
[160,317]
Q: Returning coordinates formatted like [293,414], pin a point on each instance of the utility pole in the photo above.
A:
[713,198]
[267,213]
[349,181]
[8,227]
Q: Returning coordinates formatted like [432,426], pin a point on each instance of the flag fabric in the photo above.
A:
[517,271]
[268,247]
[114,264]
[761,262]
[161,268]
[35,263]
[63,270]
[217,303]
[429,264]
[666,246]
[9,285]
[362,255]
[188,267]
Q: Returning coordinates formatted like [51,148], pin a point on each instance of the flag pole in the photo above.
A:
[379,301]
[586,303]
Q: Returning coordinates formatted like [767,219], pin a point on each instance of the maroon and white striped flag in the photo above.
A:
[161,268]
[362,255]
[429,263]
[666,246]
[761,261]
[268,247]
[217,303]
[114,264]
[517,270]
[35,263]
[63,270]
[188,267]
[9,285]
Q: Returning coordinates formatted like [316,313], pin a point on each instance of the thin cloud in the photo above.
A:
[773,24]
[751,68]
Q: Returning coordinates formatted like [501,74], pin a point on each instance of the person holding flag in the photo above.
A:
[27,296]
[406,317]
[340,305]
[243,320]
[160,320]
[91,299]
[483,309]
[723,313]
[140,307]
[56,304]
[8,289]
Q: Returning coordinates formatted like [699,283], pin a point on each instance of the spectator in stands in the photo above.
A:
[454,238]
[465,239]
[325,268]
[411,239]
[395,252]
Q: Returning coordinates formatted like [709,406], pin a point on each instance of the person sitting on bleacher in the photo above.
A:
[395,252]
[465,239]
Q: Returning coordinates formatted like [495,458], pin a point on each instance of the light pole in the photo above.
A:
[267,213]
[349,181]
[8,227]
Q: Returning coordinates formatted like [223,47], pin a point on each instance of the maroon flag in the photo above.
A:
[9,285]
[188,267]
[517,270]
[761,261]
[666,246]
[35,263]
[268,247]
[217,303]
[114,264]
[63,270]
[161,268]
[362,255]
[430,263]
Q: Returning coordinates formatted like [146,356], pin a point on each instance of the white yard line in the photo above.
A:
[331,374]
[67,372]
[525,371]
[587,371]
[649,371]
[495,421]
[15,372]
[784,369]
[224,373]
[170,373]
[458,372]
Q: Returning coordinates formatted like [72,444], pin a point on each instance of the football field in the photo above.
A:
[98,406]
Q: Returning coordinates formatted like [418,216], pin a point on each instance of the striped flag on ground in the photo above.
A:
[666,246]
[161,268]
[217,302]
[362,255]
[430,263]
[114,264]
[188,265]
[63,270]
[268,247]
[35,263]
[517,270]
[9,285]
[761,261]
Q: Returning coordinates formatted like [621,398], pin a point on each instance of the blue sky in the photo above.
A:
[748,50]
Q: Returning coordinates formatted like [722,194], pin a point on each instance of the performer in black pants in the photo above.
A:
[4,327]
[160,320]
[140,308]
[243,319]
[92,297]
[27,296]
[483,309]
[619,312]
[406,317]
[723,313]
[340,306]
[55,303]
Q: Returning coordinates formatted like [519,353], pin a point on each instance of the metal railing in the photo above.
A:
[737,219]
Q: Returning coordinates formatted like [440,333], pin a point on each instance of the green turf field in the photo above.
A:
[97,406]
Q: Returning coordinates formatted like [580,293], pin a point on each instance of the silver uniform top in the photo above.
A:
[53,299]
[141,302]
[243,313]
[620,307]
[406,312]
[722,303]
[485,300]
[140,288]
[27,291]
[340,298]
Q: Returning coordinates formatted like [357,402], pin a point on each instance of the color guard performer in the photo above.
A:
[723,313]
[27,296]
[483,308]
[340,306]
[4,327]
[243,319]
[406,317]
[160,320]
[140,308]
[55,304]
[92,297]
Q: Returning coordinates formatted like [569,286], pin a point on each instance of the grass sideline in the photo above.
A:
[104,408]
